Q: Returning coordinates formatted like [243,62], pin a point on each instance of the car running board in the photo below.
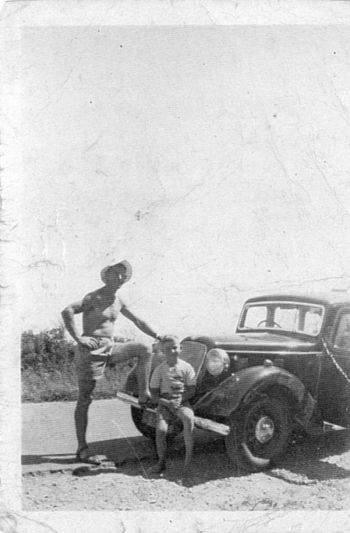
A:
[201,423]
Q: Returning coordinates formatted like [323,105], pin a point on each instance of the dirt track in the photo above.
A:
[314,475]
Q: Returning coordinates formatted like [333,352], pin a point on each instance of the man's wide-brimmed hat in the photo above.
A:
[124,263]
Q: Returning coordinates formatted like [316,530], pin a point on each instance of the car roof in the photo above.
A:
[329,298]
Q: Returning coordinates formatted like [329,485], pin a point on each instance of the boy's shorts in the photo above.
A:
[170,414]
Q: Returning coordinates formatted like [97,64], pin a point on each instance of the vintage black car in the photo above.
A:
[286,368]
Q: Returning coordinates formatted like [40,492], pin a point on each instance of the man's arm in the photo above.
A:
[69,322]
[140,324]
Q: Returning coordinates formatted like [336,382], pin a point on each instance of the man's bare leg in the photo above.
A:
[86,388]
[143,354]
[143,371]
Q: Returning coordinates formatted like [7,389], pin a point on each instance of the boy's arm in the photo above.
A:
[154,385]
[155,394]
[155,397]
[189,393]
[190,384]
[155,389]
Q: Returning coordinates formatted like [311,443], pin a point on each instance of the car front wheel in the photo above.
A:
[147,430]
[259,434]
[145,423]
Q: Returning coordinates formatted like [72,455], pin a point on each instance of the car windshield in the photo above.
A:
[294,317]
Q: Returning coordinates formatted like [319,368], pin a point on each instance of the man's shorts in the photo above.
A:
[91,364]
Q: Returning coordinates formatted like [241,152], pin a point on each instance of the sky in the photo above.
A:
[215,159]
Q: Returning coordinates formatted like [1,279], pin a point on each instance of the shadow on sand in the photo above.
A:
[116,450]
[306,462]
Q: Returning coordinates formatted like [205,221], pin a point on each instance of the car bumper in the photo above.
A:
[201,423]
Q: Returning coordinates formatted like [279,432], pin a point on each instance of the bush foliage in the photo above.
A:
[46,350]
[48,369]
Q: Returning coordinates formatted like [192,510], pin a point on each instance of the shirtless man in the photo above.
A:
[95,346]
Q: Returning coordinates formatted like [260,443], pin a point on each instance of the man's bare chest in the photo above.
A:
[103,309]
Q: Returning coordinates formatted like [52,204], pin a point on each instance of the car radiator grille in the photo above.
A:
[194,353]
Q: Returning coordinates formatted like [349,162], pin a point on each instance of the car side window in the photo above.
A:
[342,334]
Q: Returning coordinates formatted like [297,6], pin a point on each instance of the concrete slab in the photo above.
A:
[49,442]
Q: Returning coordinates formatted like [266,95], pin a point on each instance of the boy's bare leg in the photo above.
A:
[161,443]
[187,417]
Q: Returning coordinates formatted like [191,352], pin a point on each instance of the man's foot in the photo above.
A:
[81,471]
[83,456]
[145,401]
[158,468]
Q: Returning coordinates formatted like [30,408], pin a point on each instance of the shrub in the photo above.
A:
[48,370]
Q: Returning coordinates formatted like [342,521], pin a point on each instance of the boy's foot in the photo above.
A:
[158,468]
[146,402]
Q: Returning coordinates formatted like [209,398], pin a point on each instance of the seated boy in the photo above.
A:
[172,385]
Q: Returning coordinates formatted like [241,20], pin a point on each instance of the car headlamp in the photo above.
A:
[217,361]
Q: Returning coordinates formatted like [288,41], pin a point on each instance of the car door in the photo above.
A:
[334,394]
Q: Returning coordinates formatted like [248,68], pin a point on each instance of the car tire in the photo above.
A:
[149,431]
[260,434]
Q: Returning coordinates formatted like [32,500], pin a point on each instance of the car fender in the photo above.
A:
[240,388]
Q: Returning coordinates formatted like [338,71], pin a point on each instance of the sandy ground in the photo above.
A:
[314,475]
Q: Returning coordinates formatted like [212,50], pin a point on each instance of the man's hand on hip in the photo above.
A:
[88,342]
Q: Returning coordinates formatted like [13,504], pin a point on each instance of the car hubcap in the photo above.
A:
[264,429]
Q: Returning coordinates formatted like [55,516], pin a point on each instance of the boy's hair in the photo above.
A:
[166,338]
